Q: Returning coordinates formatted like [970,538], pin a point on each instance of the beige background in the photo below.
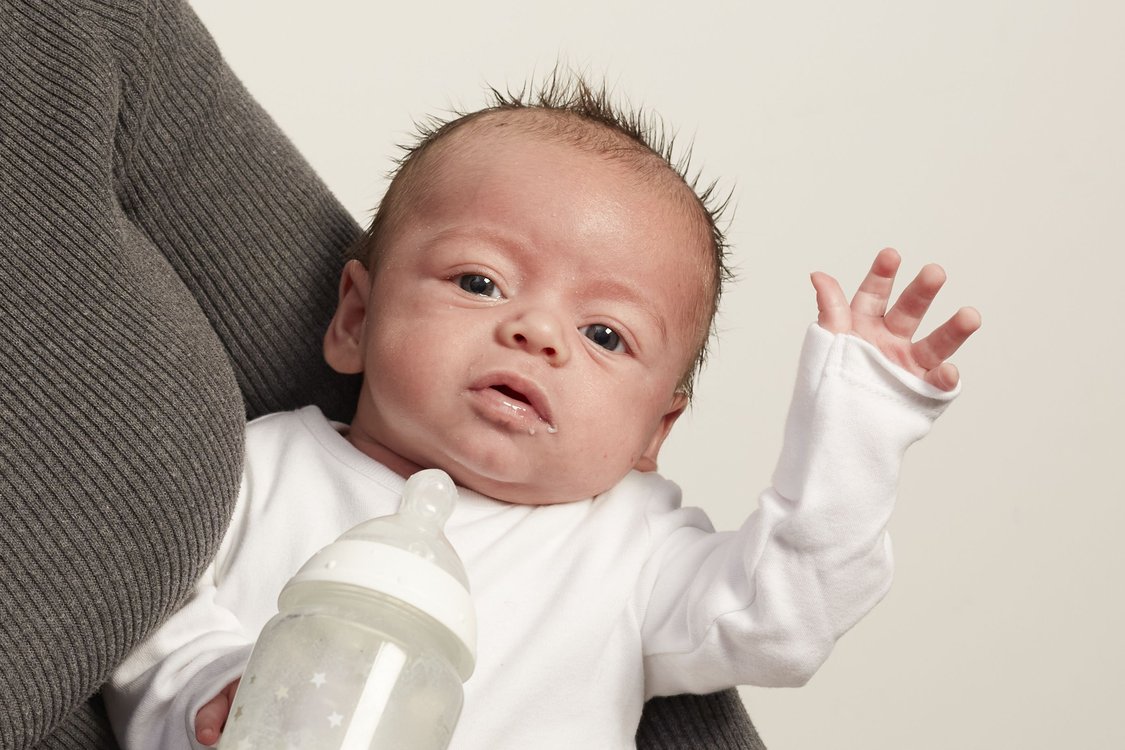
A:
[985,135]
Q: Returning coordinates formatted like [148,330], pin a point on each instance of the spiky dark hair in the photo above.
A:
[577,104]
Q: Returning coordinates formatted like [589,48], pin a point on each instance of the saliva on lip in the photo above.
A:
[523,408]
[551,429]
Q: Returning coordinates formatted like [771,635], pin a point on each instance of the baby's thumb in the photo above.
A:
[833,313]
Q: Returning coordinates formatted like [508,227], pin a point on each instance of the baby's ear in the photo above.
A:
[647,461]
[343,342]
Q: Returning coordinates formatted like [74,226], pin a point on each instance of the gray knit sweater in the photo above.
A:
[168,264]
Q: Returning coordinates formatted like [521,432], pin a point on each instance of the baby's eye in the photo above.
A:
[604,336]
[474,283]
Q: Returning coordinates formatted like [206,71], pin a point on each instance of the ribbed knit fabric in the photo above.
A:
[86,728]
[162,248]
[168,264]
[693,722]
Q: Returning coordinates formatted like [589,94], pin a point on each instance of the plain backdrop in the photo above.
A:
[988,136]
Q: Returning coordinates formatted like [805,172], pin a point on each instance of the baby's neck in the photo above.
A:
[376,450]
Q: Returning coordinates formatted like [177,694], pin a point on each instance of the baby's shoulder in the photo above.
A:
[285,426]
[653,500]
[647,488]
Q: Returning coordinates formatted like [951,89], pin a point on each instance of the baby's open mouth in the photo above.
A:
[512,393]
[518,397]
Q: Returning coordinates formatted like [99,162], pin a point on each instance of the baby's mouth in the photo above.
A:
[512,393]
[529,403]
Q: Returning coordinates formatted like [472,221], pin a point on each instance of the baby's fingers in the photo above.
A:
[833,312]
[209,720]
[943,377]
[906,315]
[946,339]
[875,289]
[211,717]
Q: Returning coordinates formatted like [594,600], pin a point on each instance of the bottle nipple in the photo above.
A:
[428,498]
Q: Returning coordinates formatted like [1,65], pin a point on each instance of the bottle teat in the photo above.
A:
[428,500]
[429,497]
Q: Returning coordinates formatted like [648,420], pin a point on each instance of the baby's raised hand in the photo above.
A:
[891,330]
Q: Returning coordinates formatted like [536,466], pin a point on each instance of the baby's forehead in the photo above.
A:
[492,137]
[518,137]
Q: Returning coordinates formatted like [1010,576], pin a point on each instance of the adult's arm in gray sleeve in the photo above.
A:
[168,263]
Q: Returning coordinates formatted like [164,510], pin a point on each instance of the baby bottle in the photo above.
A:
[374,637]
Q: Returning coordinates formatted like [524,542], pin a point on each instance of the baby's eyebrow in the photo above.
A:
[486,236]
[622,291]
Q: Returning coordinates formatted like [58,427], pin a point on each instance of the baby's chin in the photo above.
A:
[523,484]
[538,490]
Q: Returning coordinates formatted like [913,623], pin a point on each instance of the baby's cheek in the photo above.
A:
[608,454]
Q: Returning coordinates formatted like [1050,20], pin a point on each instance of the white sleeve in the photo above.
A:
[764,605]
[153,695]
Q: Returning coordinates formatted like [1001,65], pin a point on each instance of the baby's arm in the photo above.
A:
[764,605]
[890,331]
[153,696]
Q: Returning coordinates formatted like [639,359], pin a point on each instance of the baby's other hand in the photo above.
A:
[891,330]
[212,716]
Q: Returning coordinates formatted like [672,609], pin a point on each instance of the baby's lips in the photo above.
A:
[523,389]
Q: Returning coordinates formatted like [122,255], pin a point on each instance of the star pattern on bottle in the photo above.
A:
[282,693]
[335,719]
[319,679]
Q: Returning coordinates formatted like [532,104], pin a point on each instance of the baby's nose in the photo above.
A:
[537,332]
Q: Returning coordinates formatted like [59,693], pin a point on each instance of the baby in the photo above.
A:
[528,311]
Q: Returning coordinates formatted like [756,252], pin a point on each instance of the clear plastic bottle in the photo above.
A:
[374,637]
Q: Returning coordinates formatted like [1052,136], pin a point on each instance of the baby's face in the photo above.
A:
[530,320]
